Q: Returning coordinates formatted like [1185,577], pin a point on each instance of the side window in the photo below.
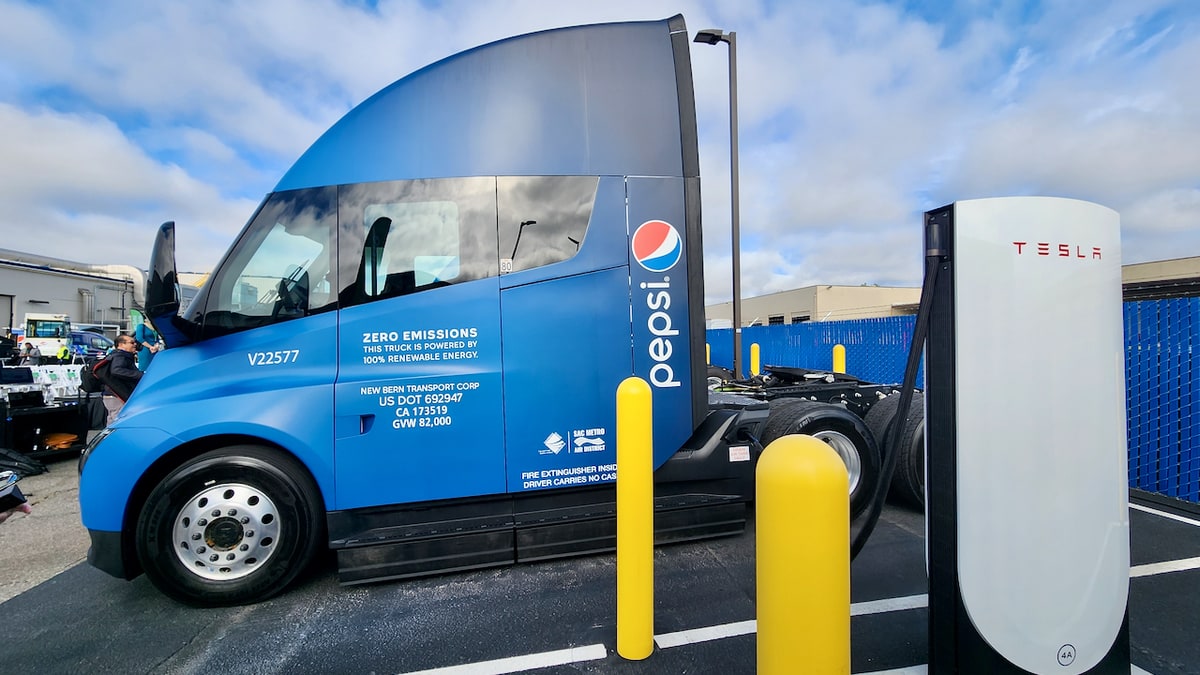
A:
[542,219]
[403,237]
[280,268]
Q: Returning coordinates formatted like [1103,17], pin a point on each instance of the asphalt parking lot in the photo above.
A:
[548,618]
[35,547]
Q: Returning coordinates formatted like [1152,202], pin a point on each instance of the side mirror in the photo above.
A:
[162,288]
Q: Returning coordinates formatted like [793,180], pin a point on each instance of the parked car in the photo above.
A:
[90,345]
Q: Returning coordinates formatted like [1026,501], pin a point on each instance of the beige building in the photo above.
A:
[1160,279]
[817,303]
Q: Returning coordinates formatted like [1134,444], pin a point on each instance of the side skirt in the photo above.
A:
[434,538]
[700,492]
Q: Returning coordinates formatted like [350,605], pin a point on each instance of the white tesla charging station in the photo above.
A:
[1027,494]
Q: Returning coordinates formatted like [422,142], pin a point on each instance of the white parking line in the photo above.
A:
[1169,565]
[705,634]
[708,633]
[598,652]
[1164,567]
[889,605]
[517,664]
[1164,514]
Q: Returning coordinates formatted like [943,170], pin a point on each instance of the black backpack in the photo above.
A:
[91,380]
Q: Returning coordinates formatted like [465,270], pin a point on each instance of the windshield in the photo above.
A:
[47,328]
[280,269]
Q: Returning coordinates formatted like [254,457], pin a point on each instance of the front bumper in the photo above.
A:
[107,554]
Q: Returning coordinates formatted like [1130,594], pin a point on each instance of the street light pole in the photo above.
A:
[712,36]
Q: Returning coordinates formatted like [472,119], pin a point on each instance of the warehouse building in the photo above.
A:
[92,295]
[1151,280]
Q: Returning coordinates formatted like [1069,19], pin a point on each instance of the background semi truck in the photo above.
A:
[410,354]
[49,332]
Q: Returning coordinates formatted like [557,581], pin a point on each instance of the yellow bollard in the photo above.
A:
[755,352]
[635,520]
[707,354]
[839,358]
[803,558]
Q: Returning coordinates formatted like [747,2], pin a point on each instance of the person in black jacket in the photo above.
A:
[122,376]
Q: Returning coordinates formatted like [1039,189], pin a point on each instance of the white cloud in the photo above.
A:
[1163,214]
[1112,129]
[32,47]
[854,117]
[1012,80]
[75,187]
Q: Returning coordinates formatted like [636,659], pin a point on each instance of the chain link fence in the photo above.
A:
[876,349]
[1161,394]
[1162,385]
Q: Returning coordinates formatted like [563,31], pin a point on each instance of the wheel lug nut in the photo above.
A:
[200,549]
[216,513]
[249,533]
[231,512]
[245,520]
[202,522]
[230,557]
[214,558]
[195,536]
[243,548]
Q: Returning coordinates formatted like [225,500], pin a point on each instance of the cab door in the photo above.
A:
[567,337]
[418,398]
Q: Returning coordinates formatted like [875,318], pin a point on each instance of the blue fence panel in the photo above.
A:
[876,349]
[1190,400]
[1137,371]
[1161,388]
[1162,383]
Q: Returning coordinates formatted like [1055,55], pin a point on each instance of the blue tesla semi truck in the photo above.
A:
[410,354]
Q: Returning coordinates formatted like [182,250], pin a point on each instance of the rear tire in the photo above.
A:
[843,431]
[908,478]
[720,373]
[232,526]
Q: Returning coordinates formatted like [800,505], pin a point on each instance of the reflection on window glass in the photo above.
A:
[410,245]
[401,237]
[275,275]
[542,219]
[280,268]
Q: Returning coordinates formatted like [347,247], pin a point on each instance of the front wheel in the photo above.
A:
[232,526]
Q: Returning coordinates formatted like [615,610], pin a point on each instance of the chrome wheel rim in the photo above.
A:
[226,532]
[845,449]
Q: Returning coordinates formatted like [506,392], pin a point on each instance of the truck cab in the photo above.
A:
[410,354]
[48,332]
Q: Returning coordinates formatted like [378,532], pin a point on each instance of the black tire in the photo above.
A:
[908,477]
[266,523]
[720,373]
[780,402]
[844,431]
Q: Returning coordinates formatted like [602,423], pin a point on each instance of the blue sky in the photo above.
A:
[855,117]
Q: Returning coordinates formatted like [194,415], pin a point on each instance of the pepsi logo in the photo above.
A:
[657,245]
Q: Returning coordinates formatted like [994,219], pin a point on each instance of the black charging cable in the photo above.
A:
[933,261]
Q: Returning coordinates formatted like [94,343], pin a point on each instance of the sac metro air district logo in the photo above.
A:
[657,245]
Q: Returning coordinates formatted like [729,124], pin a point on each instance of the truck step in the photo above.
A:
[524,534]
